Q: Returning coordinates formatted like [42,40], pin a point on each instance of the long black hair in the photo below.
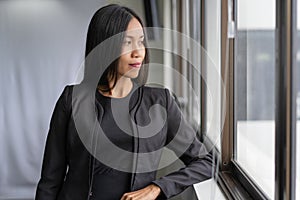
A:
[107,22]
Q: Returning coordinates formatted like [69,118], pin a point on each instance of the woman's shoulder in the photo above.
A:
[155,91]
[160,94]
[67,91]
[156,94]
[67,94]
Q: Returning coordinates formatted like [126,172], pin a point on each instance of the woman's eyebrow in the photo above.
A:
[129,36]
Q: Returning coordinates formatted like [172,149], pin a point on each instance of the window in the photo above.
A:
[212,71]
[254,86]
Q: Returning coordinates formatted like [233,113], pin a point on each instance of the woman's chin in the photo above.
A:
[131,75]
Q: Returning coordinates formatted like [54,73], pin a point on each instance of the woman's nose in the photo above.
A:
[137,51]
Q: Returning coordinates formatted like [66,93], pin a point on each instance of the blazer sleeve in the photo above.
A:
[198,162]
[54,163]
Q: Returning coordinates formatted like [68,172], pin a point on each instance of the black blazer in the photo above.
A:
[67,170]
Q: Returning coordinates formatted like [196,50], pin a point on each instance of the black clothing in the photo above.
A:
[108,183]
[110,186]
[111,129]
[67,166]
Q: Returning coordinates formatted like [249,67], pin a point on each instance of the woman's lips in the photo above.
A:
[136,65]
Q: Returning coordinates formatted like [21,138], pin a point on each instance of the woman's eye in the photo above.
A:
[127,42]
[141,42]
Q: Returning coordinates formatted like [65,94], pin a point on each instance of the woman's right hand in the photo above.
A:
[150,192]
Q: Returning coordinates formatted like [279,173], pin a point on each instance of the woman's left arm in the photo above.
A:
[183,141]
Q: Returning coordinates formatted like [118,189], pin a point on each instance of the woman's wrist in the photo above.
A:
[156,189]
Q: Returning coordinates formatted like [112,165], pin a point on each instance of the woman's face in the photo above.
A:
[133,51]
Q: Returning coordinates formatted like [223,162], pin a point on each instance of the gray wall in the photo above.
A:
[41,49]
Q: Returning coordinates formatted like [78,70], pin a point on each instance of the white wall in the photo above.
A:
[41,49]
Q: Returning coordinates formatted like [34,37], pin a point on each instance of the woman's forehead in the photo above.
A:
[134,29]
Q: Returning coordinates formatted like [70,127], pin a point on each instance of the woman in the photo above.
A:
[116,156]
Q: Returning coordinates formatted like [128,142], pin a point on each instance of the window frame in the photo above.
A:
[285,119]
[233,181]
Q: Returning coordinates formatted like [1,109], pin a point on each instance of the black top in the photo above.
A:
[67,173]
[109,183]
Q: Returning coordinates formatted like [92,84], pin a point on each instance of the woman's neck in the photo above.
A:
[121,89]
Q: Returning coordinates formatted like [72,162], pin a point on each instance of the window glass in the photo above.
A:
[212,47]
[194,69]
[254,88]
